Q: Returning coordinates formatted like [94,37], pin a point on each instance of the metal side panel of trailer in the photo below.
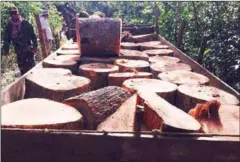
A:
[21,145]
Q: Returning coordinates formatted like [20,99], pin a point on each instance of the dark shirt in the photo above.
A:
[25,40]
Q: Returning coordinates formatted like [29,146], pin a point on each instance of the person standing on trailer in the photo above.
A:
[21,34]
[47,32]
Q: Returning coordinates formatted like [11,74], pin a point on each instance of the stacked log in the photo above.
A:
[145,38]
[164,89]
[97,106]
[159,114]
[117,79]
[163,59]
[138,65]
[139,30]
[133,55]
[68,52]
[155,47]
[55,87]
[189,95]
[129,46]
[39,113]
[103,60]
[158,68]
[159,52]
[70,46]
[100,37]
[183,77]
[97,73]
[123,119]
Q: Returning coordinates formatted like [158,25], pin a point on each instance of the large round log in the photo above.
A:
[129,46]
[166,67]
[145,38]
[103,60]
[163,59]
[39,113]
[56,87]
[149,43]
[96,106]
[66,62]
[116,79]
[68,52]
[133,55]
[70,46]
[183,77]
[97,73]
[159,52]
[159,114]
[189,95]
[153,47]
[164,89]
[123,120]
[100,37]
[125,65]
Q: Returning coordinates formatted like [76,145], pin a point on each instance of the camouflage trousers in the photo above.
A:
[25,60]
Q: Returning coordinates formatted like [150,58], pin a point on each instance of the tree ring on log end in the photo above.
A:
[139,65]
[163,59]
[160,52]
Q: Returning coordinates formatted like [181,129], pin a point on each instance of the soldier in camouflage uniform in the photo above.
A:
[21,34]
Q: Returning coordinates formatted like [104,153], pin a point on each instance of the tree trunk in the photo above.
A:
[159,114]
[97,106]
[138,65]
[97,73]
[117,79]
[40,114]
[157,14]
[190,95]
[180,34]
[133,55]
[163,59]
[55,86]
[160,52]
[129,46]
[100,37]
[164,89]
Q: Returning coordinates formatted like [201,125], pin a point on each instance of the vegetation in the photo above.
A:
[211,33]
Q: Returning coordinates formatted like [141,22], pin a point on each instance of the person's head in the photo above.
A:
[100,14]
[45,14]
[14,13]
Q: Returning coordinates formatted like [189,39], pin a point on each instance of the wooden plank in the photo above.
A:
[49,146]
[41,36]
[214,81]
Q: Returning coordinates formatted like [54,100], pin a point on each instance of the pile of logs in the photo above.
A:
[108,86]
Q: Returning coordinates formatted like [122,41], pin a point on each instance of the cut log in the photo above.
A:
[39,113]
[159,52]
[158,68]
[163,59]
[51,71]
[68,52]
[129,46]
[190,95]
[97,73]
[125,65]
[70,46]
[104,60]
[55,87]
[116,79]
[149,43]
[155,47]
[139,30]
[100,37]
[123,120]
[97,106]
[145,38]
[133,55]
[164,89]
[159,114]
[183,77]
[66,62]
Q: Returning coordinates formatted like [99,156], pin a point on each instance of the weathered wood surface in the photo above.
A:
[116,79]
[163,59]
[100,37]
[160,114]
[158,68]
[104,60]
[145,38]
[183,77]
[133,55]
[97,73]
[129,46]
[159,52]
[189,95]
[39,113]
[96,106]
[126,64]
[123,119]
[164,89]
[196,67]
[57,87]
